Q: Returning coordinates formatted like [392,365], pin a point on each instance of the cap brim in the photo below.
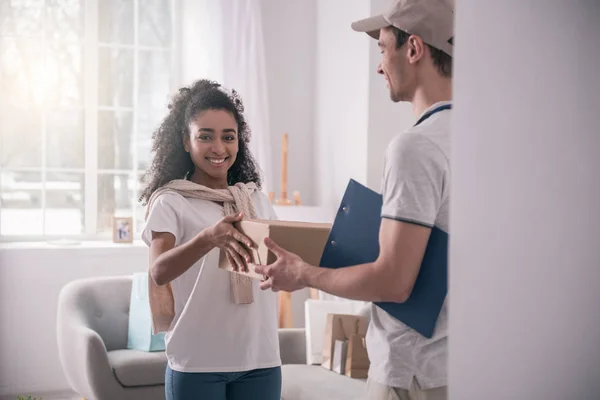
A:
[371,25]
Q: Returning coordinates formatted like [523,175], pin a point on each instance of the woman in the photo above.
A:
[222,343]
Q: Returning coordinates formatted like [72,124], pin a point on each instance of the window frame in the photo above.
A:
[91,171]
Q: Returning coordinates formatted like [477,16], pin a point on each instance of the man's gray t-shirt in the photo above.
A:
[416,189]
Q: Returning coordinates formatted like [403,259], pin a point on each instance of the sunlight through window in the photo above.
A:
[77,111]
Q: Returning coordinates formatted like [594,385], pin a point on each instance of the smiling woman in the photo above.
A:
[202,181]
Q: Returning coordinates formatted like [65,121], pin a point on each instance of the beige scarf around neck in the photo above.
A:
[235,199]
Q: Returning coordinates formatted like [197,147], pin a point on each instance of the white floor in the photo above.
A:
[47,396]
[63,396]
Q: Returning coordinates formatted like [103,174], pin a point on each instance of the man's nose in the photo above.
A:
[379,69]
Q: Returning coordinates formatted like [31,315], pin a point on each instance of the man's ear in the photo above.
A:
[416,48]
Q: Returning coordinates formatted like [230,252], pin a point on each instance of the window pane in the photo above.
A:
[62,79]
[115,198]
[21,203]
[140,210]
[21,18]
[115,21]
[64,203]
[154,71]
[115,77]
[155,23]
[22,72]
[31,74]
[153,99]
[115,135]
[65,140]
[64,19]
[20,137]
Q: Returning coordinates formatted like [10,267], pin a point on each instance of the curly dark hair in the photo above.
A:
[171,161]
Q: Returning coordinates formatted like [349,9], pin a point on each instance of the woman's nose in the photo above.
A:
[218,147]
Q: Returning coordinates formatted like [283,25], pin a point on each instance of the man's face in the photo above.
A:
[395,67]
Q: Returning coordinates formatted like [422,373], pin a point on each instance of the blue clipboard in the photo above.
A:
[354,239]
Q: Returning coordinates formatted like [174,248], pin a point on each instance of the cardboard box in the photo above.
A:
[302,238]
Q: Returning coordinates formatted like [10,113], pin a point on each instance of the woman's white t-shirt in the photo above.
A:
[210,333]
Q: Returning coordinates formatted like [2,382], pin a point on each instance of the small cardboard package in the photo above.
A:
[302,238]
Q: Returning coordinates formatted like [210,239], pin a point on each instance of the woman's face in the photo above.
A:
[213,146]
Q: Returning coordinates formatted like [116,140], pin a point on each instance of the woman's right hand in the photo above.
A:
[235,245]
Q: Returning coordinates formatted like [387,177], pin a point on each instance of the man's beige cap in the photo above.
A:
[431,20]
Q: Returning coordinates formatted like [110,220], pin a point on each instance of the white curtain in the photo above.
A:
[223,40]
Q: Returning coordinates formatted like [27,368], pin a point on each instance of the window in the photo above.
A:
[84,85]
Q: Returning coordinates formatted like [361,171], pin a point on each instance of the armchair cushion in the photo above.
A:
[134,368]
[311,382]
[292,345]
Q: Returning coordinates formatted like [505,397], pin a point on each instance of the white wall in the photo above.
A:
[525,216]
[342,95]
[289,31]
[386,118]
[355,118]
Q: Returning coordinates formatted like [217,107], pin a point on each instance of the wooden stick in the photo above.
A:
[314,294]
[285,310]
[284,201]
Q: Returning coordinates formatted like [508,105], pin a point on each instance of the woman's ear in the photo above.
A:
[186,141]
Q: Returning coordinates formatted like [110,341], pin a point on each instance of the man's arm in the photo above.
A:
[390,278]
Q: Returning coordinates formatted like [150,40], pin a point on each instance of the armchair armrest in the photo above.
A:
[292,345]
[82,352]
[85,363]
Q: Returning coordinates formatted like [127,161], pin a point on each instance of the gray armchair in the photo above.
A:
[92,343]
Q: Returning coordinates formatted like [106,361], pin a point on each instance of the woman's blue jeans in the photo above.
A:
[258,384]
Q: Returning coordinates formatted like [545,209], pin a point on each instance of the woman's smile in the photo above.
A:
[217,161]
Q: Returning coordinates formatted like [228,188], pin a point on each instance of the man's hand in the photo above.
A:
[284,274]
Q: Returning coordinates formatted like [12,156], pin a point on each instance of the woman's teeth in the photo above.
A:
[217,161]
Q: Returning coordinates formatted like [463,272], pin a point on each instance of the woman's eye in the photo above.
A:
[230,138]
[204,137]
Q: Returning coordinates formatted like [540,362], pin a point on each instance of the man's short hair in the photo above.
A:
[441,60]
